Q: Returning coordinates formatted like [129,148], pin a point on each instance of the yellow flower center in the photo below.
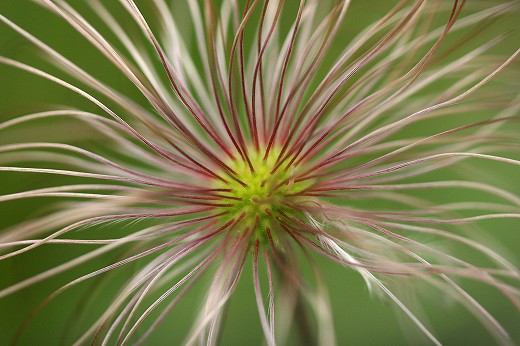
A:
[260,194]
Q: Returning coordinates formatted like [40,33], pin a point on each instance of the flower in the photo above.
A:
[258,144]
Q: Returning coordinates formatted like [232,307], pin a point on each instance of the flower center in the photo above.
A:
[260,195]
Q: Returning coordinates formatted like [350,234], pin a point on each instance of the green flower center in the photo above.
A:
[260,195]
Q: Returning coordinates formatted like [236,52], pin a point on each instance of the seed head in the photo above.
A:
[258,193]
[262,133]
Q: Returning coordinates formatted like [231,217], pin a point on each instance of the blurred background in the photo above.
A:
[360,319]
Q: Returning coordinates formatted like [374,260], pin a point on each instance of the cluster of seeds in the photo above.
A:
[258,190]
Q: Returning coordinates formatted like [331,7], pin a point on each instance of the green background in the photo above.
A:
[359,318]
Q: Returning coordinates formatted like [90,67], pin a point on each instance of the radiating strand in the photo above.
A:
[58,190]
[104,218]
[109,127]
[375,256]
[282,78]
[91,155]
[271,309]
[495,191]
[90,33]
[497,258]
[268,332]
[240,248]
[218,295]
[90,98]
[215,74]
[410,77]
[339,157]
[389,293]
[476,273]
[377,50]
[406,164]
[159,271]
[188,276]
[258,71]
[239,41]
[332,25]
[195,242]
[180,90]
[357,125]
[65,64]
[440,105]
[487,319]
